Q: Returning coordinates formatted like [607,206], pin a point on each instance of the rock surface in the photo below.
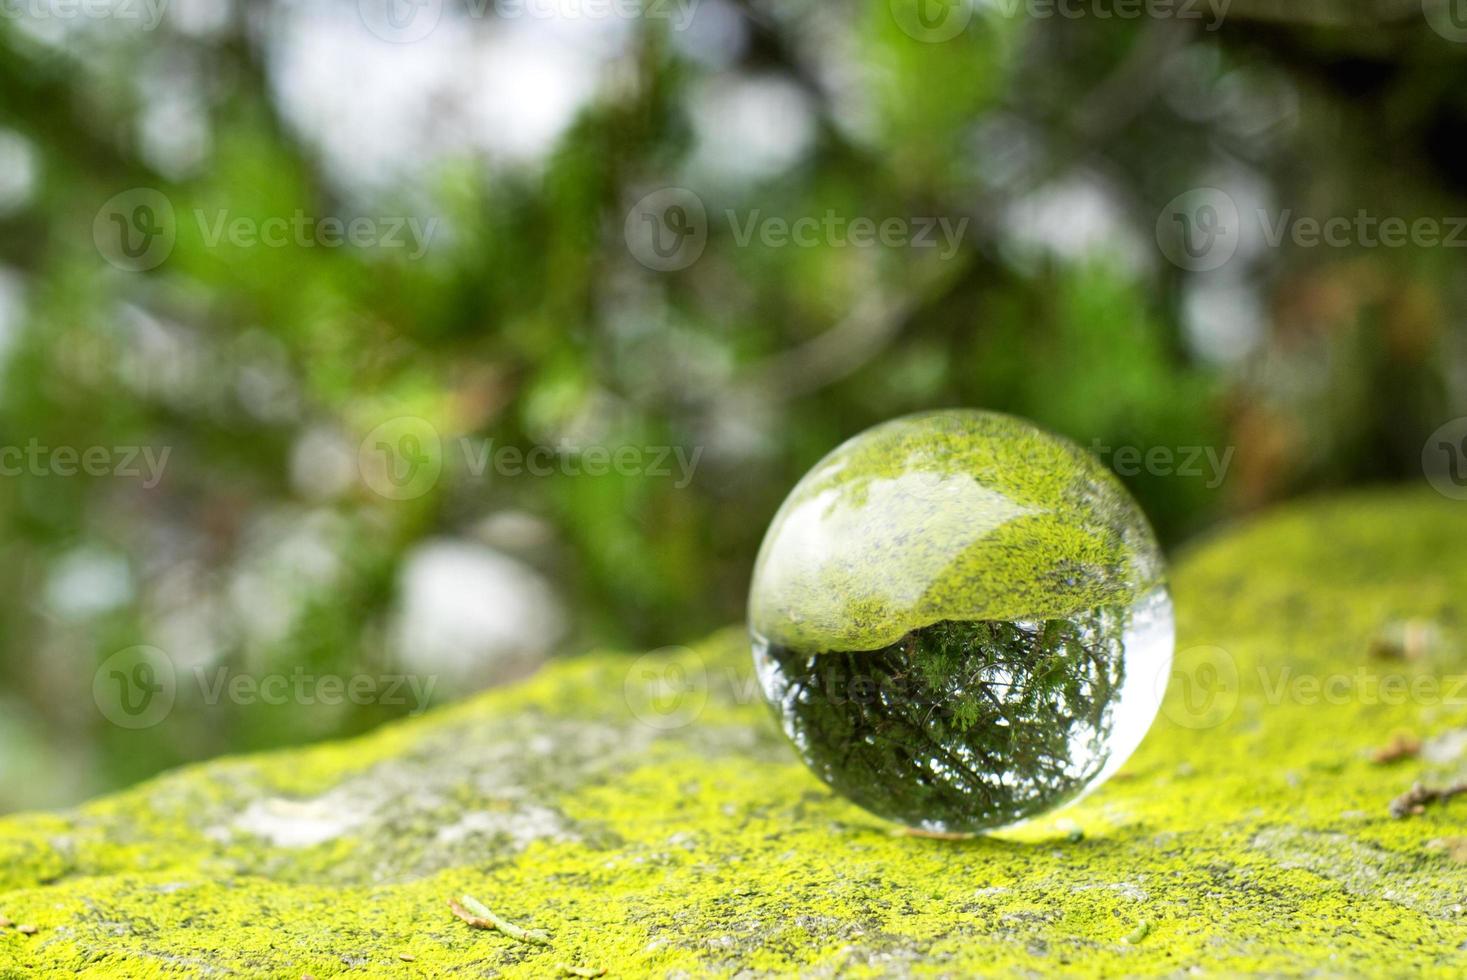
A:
[647,815]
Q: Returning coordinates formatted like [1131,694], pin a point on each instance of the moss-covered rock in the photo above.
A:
[657,836]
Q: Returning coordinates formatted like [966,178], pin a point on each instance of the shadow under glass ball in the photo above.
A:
[957,727]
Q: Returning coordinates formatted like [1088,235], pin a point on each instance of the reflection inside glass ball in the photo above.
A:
[960,621]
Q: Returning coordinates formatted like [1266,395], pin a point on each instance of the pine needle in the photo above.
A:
[478,915]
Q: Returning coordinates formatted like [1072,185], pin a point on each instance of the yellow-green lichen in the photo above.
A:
[676,834]
[957,515]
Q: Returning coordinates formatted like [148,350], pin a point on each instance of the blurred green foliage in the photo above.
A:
[529,321]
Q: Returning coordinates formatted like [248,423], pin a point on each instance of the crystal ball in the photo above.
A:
[961,621]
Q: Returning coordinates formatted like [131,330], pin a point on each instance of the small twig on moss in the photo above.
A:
[1403,746]
[1414,800]
[477,914]
[582,971]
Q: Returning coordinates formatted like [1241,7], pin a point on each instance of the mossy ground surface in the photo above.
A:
[1251,831]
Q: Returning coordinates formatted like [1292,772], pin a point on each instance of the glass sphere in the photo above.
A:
[961,621]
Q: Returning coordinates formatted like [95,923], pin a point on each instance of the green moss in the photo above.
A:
[948,516]
[1250,832]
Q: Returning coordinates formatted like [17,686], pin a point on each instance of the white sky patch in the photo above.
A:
[18,170]
[323,463]
[382,113]
[750,128]
[200,18]
[87,581]
[1223,320]
[174,126]
[12,312]
[716,35]
[465,609]
[1075,218]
